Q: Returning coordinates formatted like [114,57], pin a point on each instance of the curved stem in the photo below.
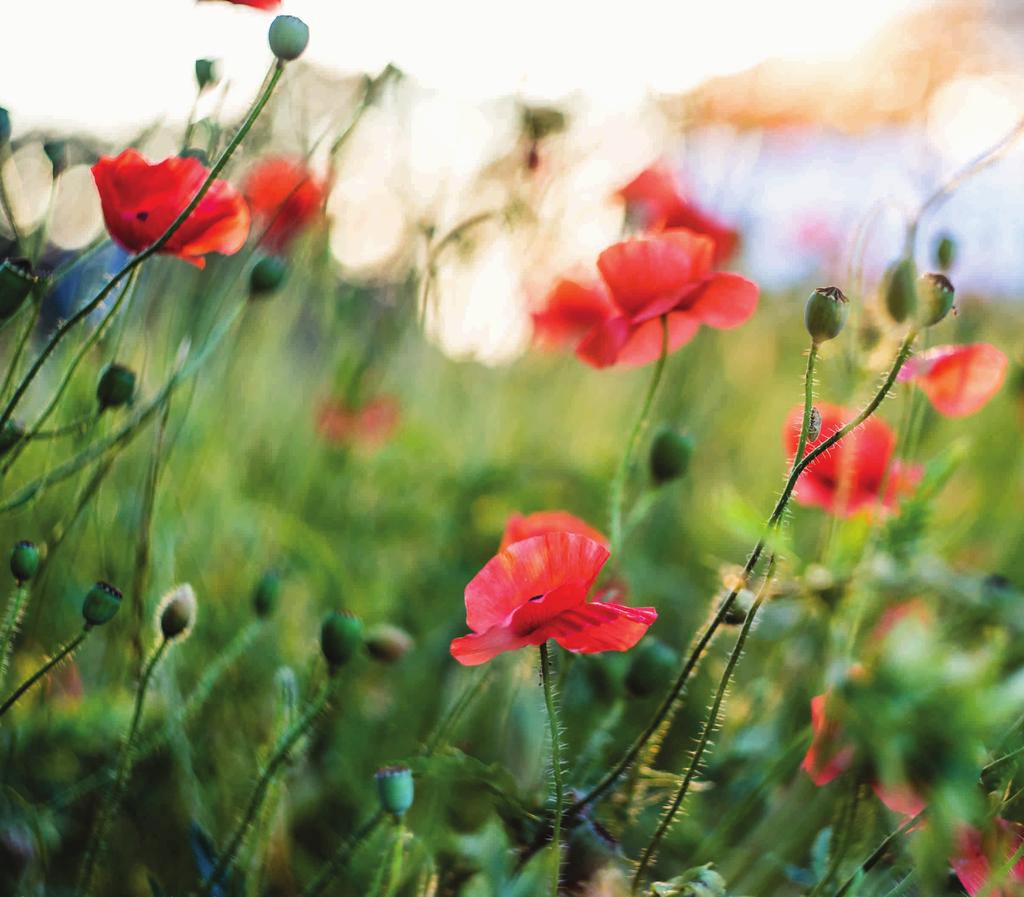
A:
[618,487]
[64,652]
[556,763]
[812,356]
[12,618]
[877,854]
[76,426]
[19,349]
[341,856]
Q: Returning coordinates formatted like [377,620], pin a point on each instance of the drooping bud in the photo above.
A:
[266,276]
[936,295]
[101,603]
[901,290]
[945,252]
[814,425]
[396,789]
[341,635]
[57,152]
[5,126]
[825,313]
[24,561]
[288,37]
[670,455]
[177,612]
[195,152]
[116,387]
[16,282]
[10,436]
[591,849]
[388,643]
[207,73]
[654,664]
[266,594]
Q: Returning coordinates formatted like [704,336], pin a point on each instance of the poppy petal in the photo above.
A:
[570,309]
[601,346]
[644,343]
[472,650]
[519,527]
[958,380]
[724,301]
[901,799]
[827,757]
[595,627]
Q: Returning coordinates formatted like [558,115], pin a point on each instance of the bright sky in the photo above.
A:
[112,64]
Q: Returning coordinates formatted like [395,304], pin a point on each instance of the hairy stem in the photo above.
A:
[556,763]
[63,653]
[342,855]
[12,620]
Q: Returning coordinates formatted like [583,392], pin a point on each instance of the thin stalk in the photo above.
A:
[12,619]
[19,348]
[556,764]
[812,356]
[394,875]
[62,271]
[839,842]
[451,719]
[64,652]
[342,856]
[75,427]
[878,853]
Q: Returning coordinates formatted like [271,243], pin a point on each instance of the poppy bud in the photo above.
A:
[288,37]
[825,313]
[388,643]
[945,252]
[5,126]
[901,290]
[57,152]
[654,664]
[814,425]
[267,275]
[16,282]
[10,436]
[207,73]
[937,296]
[670,455]
[395,788]
[116,387]
[101,603]
[340,637]
[591,849]
[24,561]
[178,612]
[267,593]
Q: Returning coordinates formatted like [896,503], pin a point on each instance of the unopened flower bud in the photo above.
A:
[825,313]
[10,436]
[288,37]
[24,561]
[16,282]
[945,252]
[901,290]
[207,73]
[395,789]
[670,455]
[341,635]
[814,425]
[57,152]
[101,602]
[591,849]
[388,643]
[266,276]
[654,664]
[936,295]
[177,612]
[5,126]
[267,594]
[116,386]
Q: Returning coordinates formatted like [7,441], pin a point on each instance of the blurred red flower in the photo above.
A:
[285,199]
[140,200]
[958,380]
[850,477]
[257,4]
[655,199]
[972,863]
[519,527]
[570,310]
[535,590]
[667,274]
[370,425]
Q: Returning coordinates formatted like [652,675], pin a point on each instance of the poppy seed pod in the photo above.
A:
[654,664]
[395,789]
[267,275]
[10,436]
[16,282]
[267,594]
[116,387]
[825,313]
[901,290]
[24,561]
[207,73]
[945,252]
[670,455]
[288,37]
[101,602]
[388,643]
[177,612]
[57,152]
[340,637]
[936,295]
[5,126]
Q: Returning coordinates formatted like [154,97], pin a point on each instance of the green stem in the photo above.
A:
[341,856]
[556,764]
[878,853]
[451,719]
[66,651]
[19,349]
[75,427]
[12,619]
[812,356]
[394,875]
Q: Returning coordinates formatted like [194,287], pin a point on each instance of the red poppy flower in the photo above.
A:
[519,527]
[849,477]
[668,274]
[570,310]
[654,198]
[285,199]
[140,200]
[535,590]
[370,425]
[257,4]
[958,380]
[973,862]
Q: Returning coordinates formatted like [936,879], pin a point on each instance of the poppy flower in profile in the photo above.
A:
[654,199]
[369,425]
[978,855]
[570,309]
[850,477]
[668,275]
[140,200]
[285,199]
[519,527]
[958,380]
[535,590]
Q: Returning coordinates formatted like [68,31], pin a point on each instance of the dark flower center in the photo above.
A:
[142,216]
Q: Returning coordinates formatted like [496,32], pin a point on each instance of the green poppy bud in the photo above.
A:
[388,643]
[16,282]
[177,612]
[591,849]
[24,561]
[341,635]
[654,664]
[901,290]
[116,387]
[207,73]
[288,37]
[266,276]
[945,252]
[825,313]
[936,295]
[10,436]
[670,455]
[395,789]
[267,594]
[101,602]
[5,126]
[57,152]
